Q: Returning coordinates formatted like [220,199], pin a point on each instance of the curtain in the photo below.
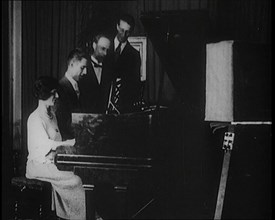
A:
[244,20]
[6,113]
[50,30]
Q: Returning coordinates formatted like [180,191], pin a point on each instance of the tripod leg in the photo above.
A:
[222,187]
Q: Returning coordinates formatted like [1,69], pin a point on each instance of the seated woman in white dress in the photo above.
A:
[68,196]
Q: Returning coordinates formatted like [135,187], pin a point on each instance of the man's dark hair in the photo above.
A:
[77,54]
[43,86]
[127,18]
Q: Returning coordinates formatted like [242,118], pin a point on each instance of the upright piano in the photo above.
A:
[117,157]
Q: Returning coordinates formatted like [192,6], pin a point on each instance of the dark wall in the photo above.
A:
[6,117]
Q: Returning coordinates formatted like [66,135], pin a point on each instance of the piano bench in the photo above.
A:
[32,198]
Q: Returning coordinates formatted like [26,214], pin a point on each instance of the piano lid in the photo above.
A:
[179,39]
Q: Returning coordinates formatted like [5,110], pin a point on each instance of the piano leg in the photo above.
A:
[90,205]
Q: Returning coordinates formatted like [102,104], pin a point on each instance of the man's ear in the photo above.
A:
[117,27]
[94,45]
[74,61]
[71,63]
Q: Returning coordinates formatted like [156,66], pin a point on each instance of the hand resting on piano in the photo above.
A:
[67,147]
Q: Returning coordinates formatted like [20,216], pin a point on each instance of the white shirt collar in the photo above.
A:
[97,71]
[72,81]
[116,43]
[95,60]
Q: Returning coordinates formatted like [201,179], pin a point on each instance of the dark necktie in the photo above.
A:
[117,51]
[96,65]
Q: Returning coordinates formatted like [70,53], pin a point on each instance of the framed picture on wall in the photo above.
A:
[140,44]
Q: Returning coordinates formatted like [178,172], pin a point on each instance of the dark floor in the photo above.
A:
[180,204]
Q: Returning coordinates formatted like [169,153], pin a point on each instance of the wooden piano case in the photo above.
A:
[115,156]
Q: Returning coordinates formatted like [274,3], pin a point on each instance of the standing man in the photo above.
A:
[95,85]
[127,64]
[69,93]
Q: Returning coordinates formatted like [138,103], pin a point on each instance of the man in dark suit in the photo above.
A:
[95,85]
[69,92]
[127,62]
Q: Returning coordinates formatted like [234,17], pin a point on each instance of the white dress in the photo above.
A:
[68,195]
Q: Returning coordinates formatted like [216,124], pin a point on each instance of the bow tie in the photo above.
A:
[96,65]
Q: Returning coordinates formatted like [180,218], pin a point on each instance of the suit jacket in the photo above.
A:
[127,67]
[67,103]
[94,95]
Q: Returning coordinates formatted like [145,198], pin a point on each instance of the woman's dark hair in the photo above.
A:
[43,86]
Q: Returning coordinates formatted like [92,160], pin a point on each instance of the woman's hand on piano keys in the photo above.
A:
[67,147]
[69,142]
